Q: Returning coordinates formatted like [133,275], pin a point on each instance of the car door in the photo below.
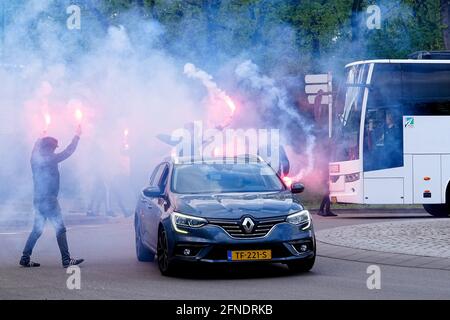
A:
[148,209]
[158,203]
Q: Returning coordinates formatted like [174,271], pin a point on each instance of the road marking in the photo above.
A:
[10,233]
[90,226]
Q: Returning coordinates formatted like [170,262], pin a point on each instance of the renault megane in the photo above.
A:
[220,210]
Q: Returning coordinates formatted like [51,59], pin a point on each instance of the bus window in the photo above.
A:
[385,86]
[430,108]
[383,139]
[383,136]
[426,82]
[348,123]
[426,89]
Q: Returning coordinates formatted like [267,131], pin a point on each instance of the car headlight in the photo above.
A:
[180,220]
[302,219]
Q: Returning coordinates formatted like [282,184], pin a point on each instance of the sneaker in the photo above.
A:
[72,262]
[29,264]
[326,214]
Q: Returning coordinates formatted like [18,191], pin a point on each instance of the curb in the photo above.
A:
[374,210]
[383,258]
[406,243]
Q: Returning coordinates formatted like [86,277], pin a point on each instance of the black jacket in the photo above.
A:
[45,169]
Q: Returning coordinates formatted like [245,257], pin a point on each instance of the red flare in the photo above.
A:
[78,115]
[230,104]
[287,181]
[217,152]
[47,119]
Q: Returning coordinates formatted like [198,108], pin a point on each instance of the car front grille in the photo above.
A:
[235,229]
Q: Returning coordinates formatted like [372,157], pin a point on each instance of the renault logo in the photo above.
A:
[247,225]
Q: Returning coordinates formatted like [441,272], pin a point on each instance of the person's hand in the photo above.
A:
[78,131]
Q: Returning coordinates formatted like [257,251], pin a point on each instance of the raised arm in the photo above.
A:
[68,151]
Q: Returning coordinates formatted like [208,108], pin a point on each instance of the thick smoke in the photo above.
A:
[221,105]
[274,101]
[130,89]
[121,83]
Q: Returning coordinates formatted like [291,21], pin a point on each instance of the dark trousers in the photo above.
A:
[325,203]
[47,209]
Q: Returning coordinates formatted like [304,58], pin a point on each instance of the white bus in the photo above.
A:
[392,138]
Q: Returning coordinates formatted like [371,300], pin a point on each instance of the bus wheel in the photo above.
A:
[437,210]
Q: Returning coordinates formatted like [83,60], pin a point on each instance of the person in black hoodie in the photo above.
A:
[44,166]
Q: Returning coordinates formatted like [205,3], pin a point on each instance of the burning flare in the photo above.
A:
[126,145]
[47,120]
[230,104]
[78,115]
[287,181]
[215,93]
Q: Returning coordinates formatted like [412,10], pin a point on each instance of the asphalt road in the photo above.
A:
[111,271]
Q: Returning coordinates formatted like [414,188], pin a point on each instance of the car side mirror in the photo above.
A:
[297,187]
[152,192]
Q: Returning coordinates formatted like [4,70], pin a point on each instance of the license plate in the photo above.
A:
[249,255]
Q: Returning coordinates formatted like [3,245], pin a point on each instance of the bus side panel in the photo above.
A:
[445,162]
[426,134]
[408,180]
[383,191]
[397,194]
[427,179]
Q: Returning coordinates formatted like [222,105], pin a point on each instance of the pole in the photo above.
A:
[330,106]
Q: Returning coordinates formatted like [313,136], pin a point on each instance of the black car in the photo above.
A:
[222,211]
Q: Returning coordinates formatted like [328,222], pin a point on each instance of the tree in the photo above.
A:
[355,23]
[445,18]
[292,36]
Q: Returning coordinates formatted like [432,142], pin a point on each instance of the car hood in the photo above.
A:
[236,205]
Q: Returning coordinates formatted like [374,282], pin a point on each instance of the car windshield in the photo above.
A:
[225,177]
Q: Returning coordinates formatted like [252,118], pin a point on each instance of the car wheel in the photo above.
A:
[166,267]
[302,265]
[437,210]
[142,252]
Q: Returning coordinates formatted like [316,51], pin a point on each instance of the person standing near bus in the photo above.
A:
[44,165]
[392,141]
[325,206]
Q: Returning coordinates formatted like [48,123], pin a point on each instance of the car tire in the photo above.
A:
[143,254]
[166,267]
[438,210]
[302,265]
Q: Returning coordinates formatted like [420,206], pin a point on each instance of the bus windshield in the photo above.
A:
[348,123]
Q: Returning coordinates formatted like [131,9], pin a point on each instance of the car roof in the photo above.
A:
[199,159]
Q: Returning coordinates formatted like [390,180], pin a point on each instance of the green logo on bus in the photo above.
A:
[409,122]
